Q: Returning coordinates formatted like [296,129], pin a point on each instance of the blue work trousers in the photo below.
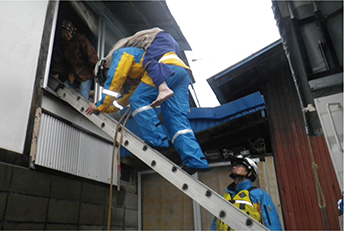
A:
[174,112]
[84,87]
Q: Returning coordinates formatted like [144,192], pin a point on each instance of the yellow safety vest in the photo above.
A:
[242,201]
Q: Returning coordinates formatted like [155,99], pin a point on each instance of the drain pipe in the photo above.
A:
[294,51]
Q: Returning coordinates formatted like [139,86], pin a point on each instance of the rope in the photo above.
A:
[320,193]
[118,163]
[119,152]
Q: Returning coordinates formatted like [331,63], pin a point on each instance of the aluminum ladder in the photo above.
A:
[199,192]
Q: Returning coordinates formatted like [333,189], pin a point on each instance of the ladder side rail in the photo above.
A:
[190,186]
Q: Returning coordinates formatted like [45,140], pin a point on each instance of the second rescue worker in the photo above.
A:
[251,200]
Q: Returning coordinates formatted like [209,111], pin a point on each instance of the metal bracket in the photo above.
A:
[309,108]
[332,123]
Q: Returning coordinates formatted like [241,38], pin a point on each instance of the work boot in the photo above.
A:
[189,170]
[192,171]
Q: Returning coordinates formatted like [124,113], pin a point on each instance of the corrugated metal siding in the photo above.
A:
[199,125]
[64,148]
[293,159]
[205,118]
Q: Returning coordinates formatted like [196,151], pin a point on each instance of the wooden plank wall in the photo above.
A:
[293,159]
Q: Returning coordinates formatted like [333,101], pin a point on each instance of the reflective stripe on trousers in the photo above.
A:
[180,132]
[141,109]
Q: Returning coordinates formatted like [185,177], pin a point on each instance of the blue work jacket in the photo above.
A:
[260,198]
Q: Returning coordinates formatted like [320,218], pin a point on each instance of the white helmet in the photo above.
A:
[99,70]
[250,164]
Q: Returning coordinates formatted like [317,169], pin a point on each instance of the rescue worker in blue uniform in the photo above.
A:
[340,206]
[174,112]
[127,63]
[251,200]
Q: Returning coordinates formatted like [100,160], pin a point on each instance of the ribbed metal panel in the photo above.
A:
[293,161]
[67,149]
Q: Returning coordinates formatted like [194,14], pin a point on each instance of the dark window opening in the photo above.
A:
[67,12]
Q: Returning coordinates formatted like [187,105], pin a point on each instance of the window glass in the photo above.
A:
[111,37]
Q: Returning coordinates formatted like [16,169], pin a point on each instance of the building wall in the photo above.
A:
[293,161]
[20,47]
[164,207]
[31,199]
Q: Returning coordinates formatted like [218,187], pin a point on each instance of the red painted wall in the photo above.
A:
[293,158]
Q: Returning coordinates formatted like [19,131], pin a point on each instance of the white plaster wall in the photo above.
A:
[21,26]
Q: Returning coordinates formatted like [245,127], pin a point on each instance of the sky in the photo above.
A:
[222,33]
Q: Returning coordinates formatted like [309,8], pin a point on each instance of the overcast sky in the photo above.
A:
[222,33]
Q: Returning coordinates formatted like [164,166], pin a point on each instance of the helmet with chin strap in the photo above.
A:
[250,164]
[100,72]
